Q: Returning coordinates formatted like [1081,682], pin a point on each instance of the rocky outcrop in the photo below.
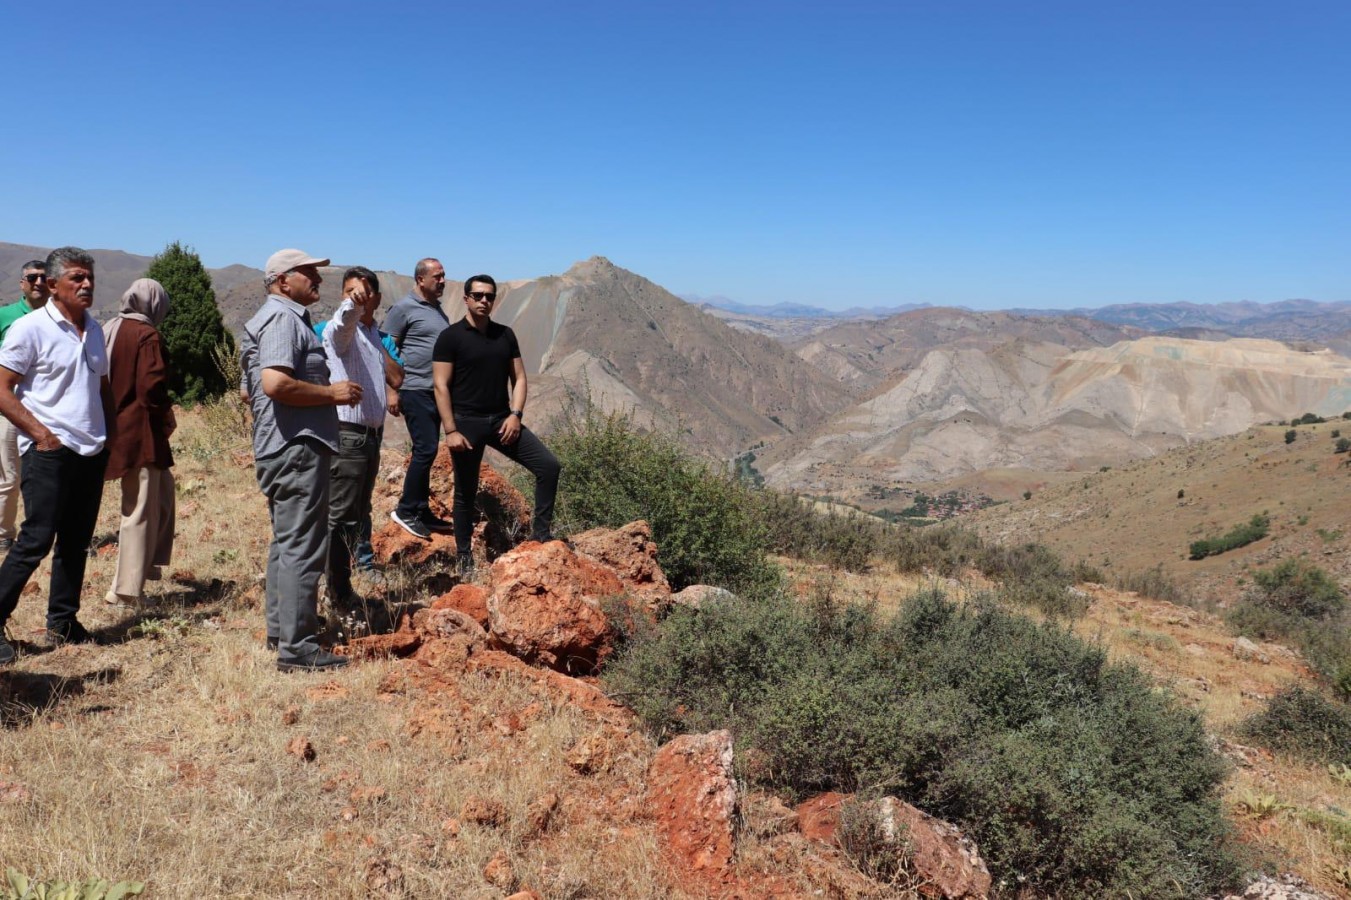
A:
[545,606]
[943,861]
[630,554]
[693,798]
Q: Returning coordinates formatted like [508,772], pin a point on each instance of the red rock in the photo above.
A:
[946,863]
[539,814]
[301,748]
[545,606]
[631,554]
[526,894]
[499,872]
[483,811]
[469,599]
[445,623]
[693,798]
[291,716]
[381,646]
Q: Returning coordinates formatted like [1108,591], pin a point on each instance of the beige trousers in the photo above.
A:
[9,478]
[147,535]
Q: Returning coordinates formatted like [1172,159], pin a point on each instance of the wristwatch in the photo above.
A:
[518,413]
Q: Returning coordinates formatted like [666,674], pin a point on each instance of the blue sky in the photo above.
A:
[988,154]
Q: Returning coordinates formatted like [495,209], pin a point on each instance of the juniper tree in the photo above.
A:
[193,327]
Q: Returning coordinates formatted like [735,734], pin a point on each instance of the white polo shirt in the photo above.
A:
[60,372]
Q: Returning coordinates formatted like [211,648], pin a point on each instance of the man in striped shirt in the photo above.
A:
[356,353]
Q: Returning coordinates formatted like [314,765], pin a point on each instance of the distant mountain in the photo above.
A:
[798,310]
[1285,320]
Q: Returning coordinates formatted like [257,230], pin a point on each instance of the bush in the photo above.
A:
[703,520]
[1296,587]
[794,528]
[1073,775]
[1342,445]
[1303,723]
[193,328]
[1240,536]
[1153,583]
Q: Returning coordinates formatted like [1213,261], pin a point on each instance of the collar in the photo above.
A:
[417,298]
[290,304]
[61,321]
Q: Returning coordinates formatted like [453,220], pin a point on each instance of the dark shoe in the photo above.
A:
[273,644]
[464,565]
[7,652]
[413,526]
[5,544]
[317,661]
[437,524]
[71,632]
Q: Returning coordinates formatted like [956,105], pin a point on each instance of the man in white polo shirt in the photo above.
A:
[53,378]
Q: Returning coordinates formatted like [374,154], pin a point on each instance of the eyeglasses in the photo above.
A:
[35,277]
[481,296]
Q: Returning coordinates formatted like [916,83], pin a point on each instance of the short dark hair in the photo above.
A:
[34,264]
[423,265]
[61,257]
[366,275]
[486,279]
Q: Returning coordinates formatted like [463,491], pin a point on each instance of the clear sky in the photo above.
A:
[989,154]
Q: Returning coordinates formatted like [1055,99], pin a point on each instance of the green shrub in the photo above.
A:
[1297,587]
[1290,436]
[1074,776]
[794,528]
[1304,723]
[703,519]
[1240,536]
[1153,583]
[1342,445]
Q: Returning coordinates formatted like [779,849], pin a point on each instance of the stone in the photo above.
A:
[483,811]
[499,871]
[946,863]
[1246,650]
[470,599]
[631,554]
[301,748]
[692,795]
[545,607]
[382,646]
[697,596]
[1282,887]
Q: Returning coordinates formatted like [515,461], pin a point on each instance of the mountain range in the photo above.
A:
[923,396]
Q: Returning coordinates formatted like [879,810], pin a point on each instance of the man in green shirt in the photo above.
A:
[33,284]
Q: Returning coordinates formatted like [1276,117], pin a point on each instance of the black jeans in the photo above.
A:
[353,469]
[62,491]
[529,451]
[424,428]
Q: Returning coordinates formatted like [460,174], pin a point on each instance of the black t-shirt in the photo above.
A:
[482,361]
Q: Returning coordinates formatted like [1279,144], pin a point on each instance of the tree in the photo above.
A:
[193,327]
[1342,445]
[1290,436]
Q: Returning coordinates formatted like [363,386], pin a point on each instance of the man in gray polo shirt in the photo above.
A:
[295,434]
[415,322]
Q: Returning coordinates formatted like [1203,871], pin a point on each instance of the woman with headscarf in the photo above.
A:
[138,451]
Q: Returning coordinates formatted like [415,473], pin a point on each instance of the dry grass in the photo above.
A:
[163,756]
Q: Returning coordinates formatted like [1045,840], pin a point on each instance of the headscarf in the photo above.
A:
[145,301]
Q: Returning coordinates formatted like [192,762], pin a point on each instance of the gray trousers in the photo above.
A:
[296,484]
[353,480]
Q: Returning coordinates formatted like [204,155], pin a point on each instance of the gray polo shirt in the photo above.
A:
[415,325]
[280,336]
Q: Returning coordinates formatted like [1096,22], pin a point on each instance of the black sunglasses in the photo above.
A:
[35,278]
[483,295]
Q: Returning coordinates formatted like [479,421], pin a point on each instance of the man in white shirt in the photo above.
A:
[355,353]
[53,387]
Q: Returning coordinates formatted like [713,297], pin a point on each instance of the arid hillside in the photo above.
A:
[1147,512]
[1044,407]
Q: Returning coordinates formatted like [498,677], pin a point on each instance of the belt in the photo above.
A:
[360,429]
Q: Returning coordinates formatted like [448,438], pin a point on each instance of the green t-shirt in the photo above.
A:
[11,313]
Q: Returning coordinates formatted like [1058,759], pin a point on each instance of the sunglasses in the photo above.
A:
[35,278]
[480,296]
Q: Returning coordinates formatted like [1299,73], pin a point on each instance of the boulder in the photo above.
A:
[545,607]
[693,798]
[697,596]
[469,599]
[631,554]
[945,862]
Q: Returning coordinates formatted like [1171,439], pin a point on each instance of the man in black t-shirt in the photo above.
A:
[473,363]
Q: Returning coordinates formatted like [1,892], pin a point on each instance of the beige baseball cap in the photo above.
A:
[286,260]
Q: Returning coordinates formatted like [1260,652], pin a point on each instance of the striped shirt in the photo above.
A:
[355,354]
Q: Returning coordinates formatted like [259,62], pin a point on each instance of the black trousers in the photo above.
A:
[353,469]
[424,429]
[529,451]
[62,491]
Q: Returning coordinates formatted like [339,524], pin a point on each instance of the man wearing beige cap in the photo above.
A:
[295,434]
